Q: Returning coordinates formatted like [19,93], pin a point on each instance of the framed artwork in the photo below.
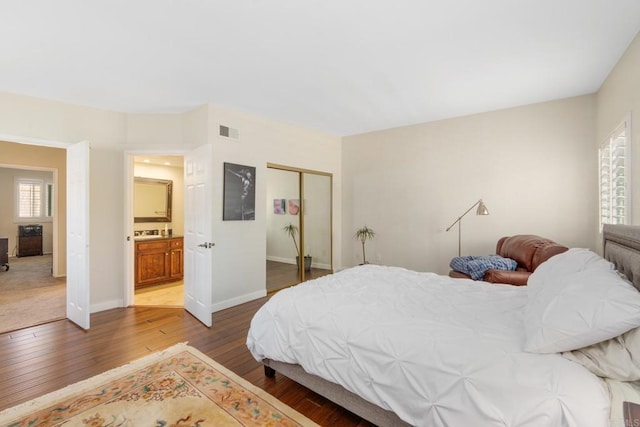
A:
[294,206]
[239,203]
[279,206]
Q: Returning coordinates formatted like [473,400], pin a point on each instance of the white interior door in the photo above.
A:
[78,284]
[198,232]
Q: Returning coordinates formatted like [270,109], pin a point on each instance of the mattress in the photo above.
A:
[436,351]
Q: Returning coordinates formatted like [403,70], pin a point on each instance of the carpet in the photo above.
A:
[29,294]
[179,386]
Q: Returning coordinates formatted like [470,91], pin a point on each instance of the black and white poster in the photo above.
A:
[239,193]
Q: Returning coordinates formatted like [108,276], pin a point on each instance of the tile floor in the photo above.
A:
[168,295]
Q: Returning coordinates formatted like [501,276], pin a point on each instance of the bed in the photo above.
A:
[399,347]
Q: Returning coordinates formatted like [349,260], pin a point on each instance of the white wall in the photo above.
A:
[534,166]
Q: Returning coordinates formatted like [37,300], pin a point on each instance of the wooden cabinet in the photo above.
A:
[158,261]
[29,245]
[176,259]
[4,252]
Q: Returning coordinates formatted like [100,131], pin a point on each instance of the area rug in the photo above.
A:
[176,387]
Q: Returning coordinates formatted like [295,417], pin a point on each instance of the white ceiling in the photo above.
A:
[338,66]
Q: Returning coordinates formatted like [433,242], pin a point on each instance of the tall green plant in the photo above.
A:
[292,230]
[364,234]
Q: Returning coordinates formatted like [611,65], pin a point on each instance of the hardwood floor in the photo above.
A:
[281,275]
[44,358]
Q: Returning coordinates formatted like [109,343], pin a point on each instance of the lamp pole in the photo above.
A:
[459,235]
[482,210]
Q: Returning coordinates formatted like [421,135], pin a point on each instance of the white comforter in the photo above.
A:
[437,351]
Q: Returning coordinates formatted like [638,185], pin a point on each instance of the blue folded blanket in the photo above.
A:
[477,266]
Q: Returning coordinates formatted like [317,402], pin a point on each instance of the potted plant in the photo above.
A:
[364,234]
[292,230]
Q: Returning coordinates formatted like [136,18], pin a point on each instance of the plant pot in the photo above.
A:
[307,262]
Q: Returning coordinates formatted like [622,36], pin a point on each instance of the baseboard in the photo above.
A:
[107,305]
[320,266]
[237,300]
[280,259]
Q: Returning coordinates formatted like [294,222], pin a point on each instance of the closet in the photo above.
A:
[299,225]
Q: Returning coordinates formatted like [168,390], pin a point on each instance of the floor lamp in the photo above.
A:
[482,210]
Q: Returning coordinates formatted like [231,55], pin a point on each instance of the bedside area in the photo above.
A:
[158,260]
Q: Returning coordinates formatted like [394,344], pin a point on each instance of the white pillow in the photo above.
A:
[571,261]
[577,300]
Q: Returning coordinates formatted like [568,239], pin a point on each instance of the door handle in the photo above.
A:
[206,245]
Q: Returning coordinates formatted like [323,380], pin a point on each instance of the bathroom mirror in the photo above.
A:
[152,199]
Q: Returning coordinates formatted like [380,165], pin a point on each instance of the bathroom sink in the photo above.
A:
[147,237]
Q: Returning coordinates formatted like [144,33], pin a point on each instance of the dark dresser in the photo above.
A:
[29,240]
[4,252]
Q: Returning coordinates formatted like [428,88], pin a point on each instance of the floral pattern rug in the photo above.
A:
[179,387]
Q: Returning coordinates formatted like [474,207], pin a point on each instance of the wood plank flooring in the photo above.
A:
[44,358]
[281,275]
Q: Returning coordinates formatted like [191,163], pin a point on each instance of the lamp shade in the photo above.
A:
[482,209]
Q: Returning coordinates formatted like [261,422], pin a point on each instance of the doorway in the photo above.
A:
[70,219]
[30,292]
[158,227]
[299,226]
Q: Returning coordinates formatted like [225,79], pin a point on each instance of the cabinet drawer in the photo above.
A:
[152,247]
[176,243]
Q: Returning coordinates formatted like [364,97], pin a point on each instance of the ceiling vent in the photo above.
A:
[228,132]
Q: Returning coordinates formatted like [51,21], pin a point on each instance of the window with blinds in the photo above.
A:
[29,198]
[34,199]
[614,167]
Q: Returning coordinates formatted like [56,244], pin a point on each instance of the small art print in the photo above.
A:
[279,206]
[294,206]
[239,202]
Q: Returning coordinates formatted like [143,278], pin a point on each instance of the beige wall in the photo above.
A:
[60,124]
[243,243]
[240,255]
[619,96]
[22,155]
[534,166]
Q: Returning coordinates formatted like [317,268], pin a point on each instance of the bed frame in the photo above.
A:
[335,393]
[621,246]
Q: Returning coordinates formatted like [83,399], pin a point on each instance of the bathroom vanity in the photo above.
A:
[158,260]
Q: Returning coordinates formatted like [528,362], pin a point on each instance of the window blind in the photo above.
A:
[614,178]
[29,199]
